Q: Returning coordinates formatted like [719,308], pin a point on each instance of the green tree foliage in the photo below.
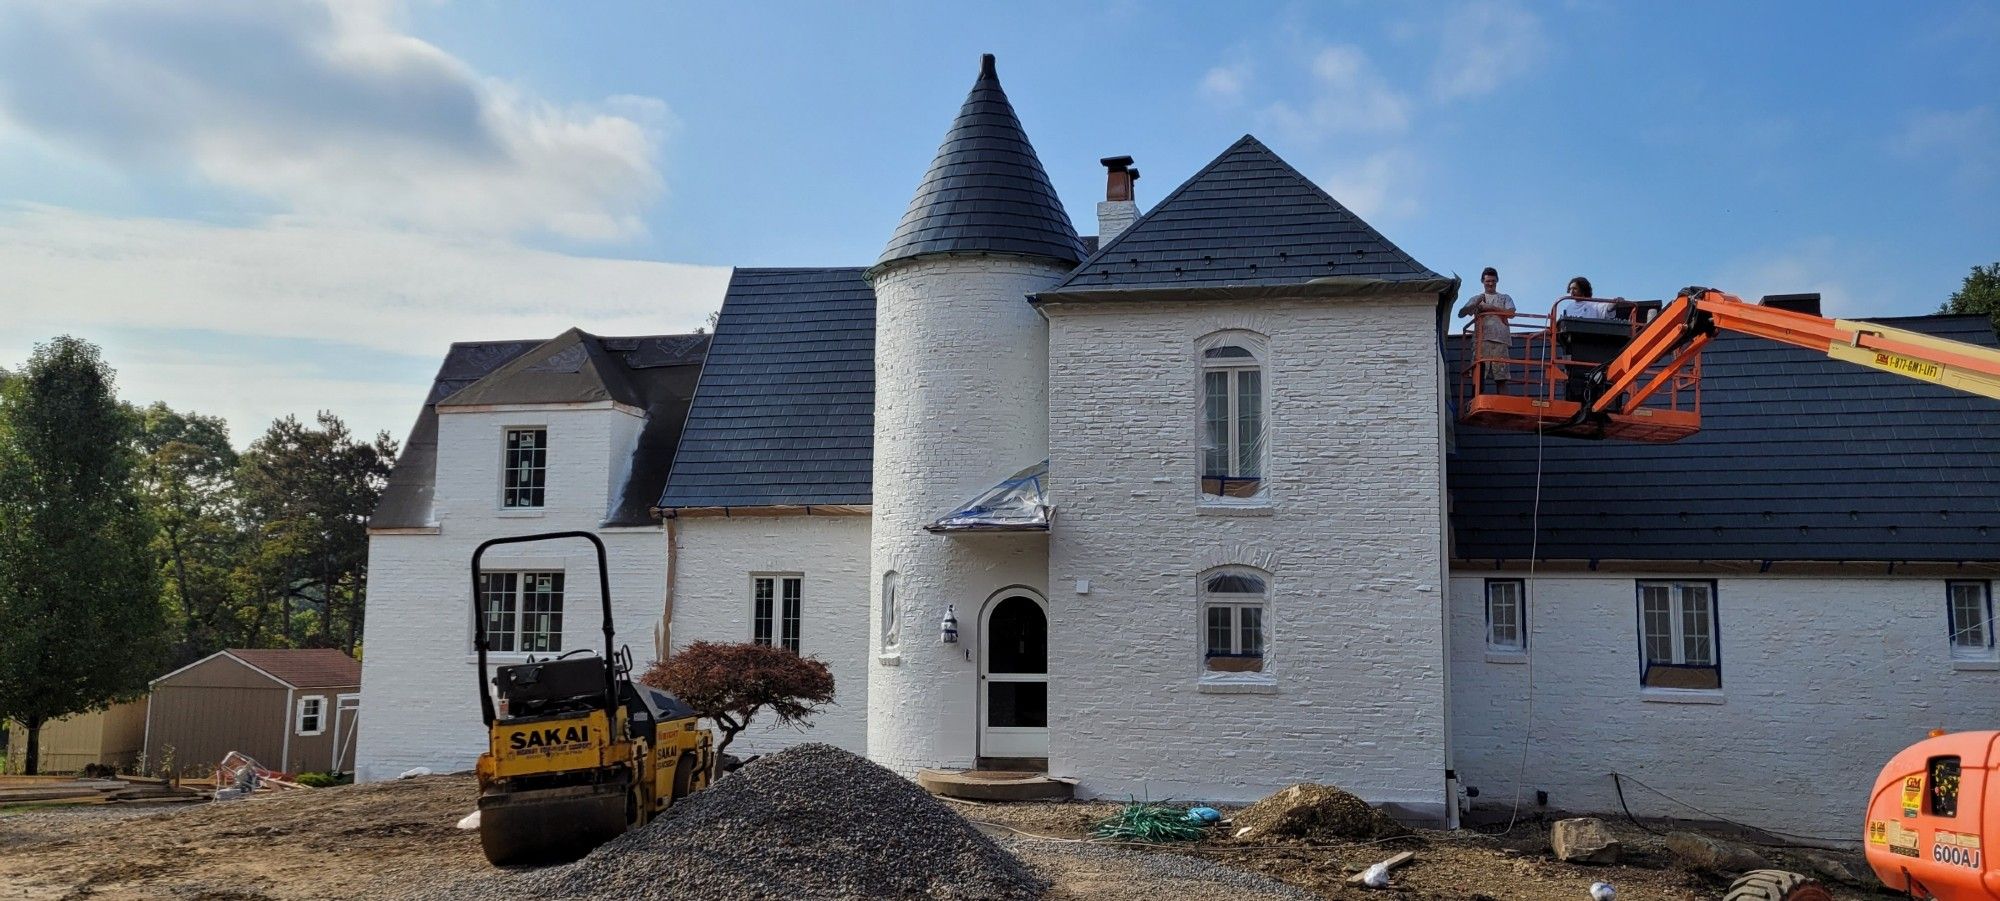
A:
[307,492]
[1979,294]
[80,617]
[188,477]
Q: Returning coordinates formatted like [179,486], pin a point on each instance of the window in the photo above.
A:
[1677,635]
[1506,615]
[775,613]
[1232,611]
[312,715]
[1232,463]
[525,472]
[1971,619]
[892,628]
[523,611]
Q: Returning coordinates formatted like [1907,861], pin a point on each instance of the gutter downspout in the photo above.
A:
[285,755]
[663,634]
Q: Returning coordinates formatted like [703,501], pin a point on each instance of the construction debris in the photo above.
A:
[810,822]
[1377,875]
[1316,813]
[1584,840]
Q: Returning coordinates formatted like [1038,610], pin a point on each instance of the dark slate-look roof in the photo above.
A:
[655,372]
[985,191]
[785,415]
[1799,458]
[1247,218]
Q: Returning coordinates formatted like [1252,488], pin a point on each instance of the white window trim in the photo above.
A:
[500,494]
[1259,348]
[778,580]
[1959,652]
[1519,647]
[524,567]
[299,715]
[1261,682]
[1676,625]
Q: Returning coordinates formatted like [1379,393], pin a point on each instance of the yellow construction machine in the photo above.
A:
[577,752]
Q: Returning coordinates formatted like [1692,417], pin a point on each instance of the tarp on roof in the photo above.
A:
[1017,504]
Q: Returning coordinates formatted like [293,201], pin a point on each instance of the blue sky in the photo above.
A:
[263,208]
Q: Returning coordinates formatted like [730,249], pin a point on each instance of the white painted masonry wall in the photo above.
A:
[1352,537]
[418,678]
[714,560]
[1823,680]
[961,402]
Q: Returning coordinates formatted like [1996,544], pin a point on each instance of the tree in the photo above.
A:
[307,493]
[80,619]
[731,683]
[188,477]
[1980,293]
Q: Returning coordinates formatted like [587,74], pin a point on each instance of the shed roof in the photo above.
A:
[1799,458]
[785,414]
[1246,219]
[985,191]
[292,667]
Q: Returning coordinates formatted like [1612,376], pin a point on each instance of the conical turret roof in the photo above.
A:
[985,191]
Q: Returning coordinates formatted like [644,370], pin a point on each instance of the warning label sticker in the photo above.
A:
[1913,795]
[1900,840]
[1956,848]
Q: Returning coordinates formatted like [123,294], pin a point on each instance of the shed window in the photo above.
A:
[1233,603]
[1677,635]
[312,715]
[524,611]
[1506,615]
[1971,619]
[775,613]
[525,469]
[1233,421]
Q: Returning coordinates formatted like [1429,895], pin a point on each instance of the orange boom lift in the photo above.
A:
[1637,376]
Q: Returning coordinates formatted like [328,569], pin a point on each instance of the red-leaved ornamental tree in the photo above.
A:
[731,683]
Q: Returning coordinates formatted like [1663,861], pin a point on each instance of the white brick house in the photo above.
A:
[1253,549]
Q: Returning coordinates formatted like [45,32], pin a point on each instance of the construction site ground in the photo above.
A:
[389,840]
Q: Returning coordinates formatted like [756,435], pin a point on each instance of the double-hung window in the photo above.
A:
[1233,603]
[775,614]
[1232,452]
[523,611]
[1677,635]
[1971,620]
[524,469]
[311,715]
[1506,616]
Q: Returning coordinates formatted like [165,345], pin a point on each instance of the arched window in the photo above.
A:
[892,625]
[1232,416]
[1234,601]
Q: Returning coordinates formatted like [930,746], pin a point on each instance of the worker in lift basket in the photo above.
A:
[1492,309]
[1584,307]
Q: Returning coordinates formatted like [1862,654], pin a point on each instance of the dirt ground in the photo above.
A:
[385,840]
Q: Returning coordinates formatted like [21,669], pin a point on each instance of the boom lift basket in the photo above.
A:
[1554,366]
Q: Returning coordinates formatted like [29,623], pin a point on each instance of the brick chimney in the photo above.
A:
[1120,207]
[1797,303]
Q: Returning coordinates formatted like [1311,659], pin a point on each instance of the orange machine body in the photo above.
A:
[1934,816]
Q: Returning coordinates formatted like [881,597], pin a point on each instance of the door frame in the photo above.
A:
[986,609]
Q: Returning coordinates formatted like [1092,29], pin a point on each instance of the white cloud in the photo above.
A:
[1483,46]
[1381,186]
[324,107]
[1225,84]
[311,303]
[1346,95]
[1816,266]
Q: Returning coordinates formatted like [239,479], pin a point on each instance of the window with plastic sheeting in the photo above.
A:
[1234,601]
[523,611]
[525,469]
[1970,618]
[1233,416]
[1678,636]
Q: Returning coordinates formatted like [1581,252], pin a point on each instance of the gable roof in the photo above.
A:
[985,191]
[303,667]
[1248,219]
[655,372]
[1799,458]
[785,413]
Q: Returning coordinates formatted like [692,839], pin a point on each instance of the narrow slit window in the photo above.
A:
[764,592]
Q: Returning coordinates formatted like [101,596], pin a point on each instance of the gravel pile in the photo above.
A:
[1317,813]
[812,822]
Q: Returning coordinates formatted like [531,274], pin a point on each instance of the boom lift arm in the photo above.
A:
[1676,336]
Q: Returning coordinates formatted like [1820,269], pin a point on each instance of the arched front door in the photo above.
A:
[1014,679]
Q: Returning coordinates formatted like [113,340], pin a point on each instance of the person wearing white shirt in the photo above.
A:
[1585,308]
[1492,309]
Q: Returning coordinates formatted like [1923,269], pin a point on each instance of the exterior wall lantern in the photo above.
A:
[950,627]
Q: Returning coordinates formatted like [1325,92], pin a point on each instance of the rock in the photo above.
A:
[1713,855]
[1584,840]
[1318,812]
[1839,869]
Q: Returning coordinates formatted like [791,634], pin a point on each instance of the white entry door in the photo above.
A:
[1014,679]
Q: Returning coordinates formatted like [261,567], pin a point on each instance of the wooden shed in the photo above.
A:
[293,711]
[113,737]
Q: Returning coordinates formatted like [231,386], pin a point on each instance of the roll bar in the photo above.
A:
[479,614]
